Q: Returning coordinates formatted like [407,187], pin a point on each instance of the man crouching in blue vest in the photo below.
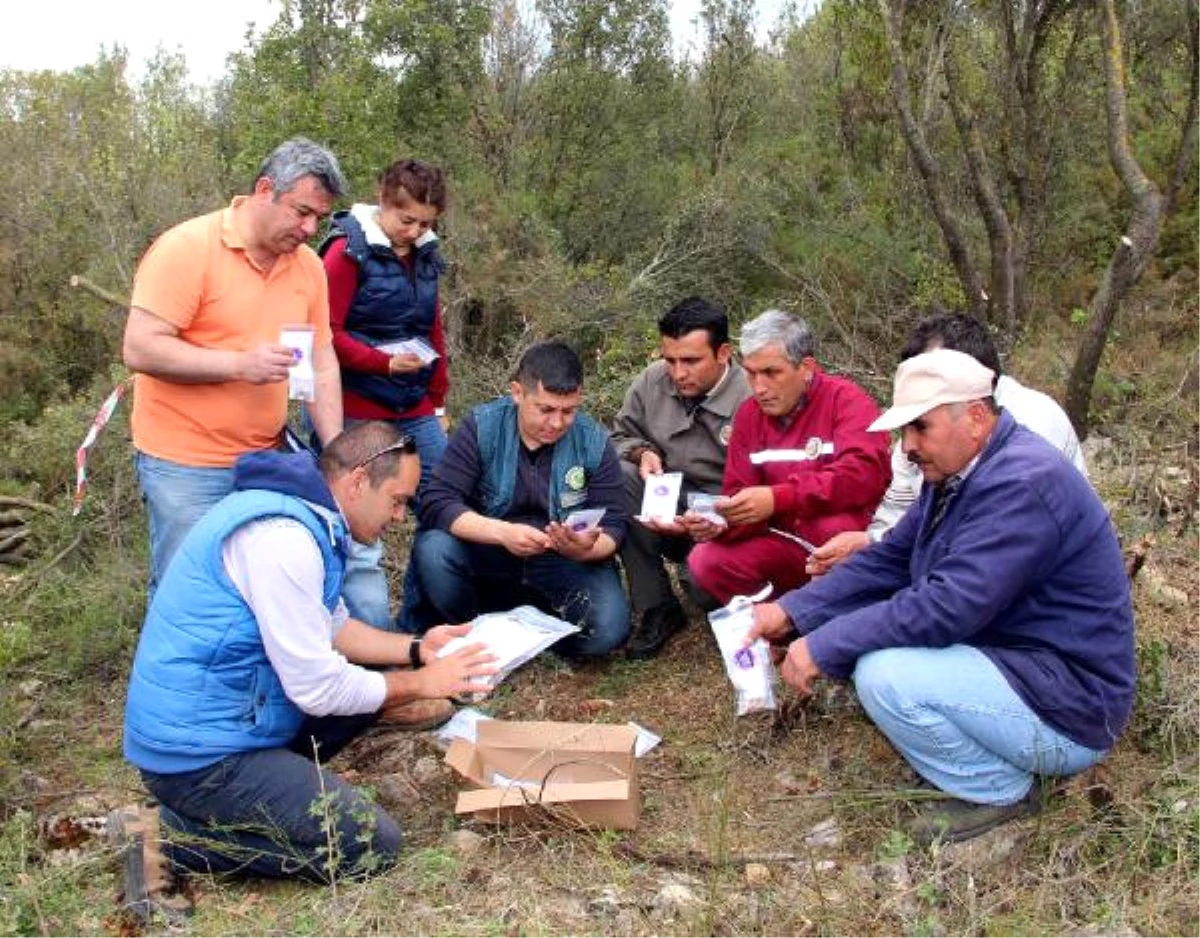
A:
[250,673]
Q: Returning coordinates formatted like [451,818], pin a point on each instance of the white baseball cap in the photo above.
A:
[931,379]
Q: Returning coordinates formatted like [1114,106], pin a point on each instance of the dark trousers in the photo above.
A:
[277,812]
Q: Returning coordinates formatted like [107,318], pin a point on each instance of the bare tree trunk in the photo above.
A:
[1137,245]
[1002,304]
[939,203]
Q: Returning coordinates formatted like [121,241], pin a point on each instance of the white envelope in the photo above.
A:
[661,497]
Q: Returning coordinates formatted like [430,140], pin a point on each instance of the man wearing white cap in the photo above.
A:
[990,635]
[1029,407]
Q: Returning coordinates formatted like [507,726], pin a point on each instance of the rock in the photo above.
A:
[427,770]
[788,782]
[987,850]
[607,903]
[893,875]
[825,834]
[30,687]
[466,843]
[675,898]
[825,866]
[393,789]
[757,875]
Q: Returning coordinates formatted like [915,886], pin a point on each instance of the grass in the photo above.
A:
[1117,853]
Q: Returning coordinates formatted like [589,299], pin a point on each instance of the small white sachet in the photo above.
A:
[705,505]
[586,520]
[749,667]
[513,637]
[645,740]
[302,380]
[417,346]
[660,500]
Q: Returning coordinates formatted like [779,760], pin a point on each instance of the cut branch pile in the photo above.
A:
[15,512]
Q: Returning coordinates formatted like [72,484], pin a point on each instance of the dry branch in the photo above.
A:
[16,501]
[82,283]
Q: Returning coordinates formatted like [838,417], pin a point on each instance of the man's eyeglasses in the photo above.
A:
[406,444]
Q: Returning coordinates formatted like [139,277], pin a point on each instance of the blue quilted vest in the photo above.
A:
[202,687]
[390,305]
[576,458]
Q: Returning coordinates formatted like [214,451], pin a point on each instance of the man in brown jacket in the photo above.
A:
[677,417]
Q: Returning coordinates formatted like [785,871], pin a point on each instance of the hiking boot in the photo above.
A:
[657,626]
[417,715]
[149,884]
[951,820]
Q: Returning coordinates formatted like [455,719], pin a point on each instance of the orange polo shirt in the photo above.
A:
[198,277]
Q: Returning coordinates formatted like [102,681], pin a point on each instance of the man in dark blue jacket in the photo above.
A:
[499,518]
[990,635]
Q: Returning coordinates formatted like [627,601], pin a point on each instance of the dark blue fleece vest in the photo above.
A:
[390,305]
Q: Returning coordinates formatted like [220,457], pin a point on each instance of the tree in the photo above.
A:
[1149,208]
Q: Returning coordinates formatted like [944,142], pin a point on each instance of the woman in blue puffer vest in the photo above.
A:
[383,266]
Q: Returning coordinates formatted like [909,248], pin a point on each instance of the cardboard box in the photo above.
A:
[584,774]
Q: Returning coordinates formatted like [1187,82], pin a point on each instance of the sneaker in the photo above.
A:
[417,715]
[657,626]
[149,884]
[951,820]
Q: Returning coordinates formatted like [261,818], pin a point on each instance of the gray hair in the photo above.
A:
[775,327]
[299,157]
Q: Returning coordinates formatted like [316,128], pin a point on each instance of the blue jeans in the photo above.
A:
[365,587]
[459,580]
[176,497]
[952,714]
[277,813]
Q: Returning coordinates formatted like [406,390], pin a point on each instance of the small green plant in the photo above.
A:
[435,867]
[895,845]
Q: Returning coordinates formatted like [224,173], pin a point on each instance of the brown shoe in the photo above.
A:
[149,883]
[417,715]
[950,820]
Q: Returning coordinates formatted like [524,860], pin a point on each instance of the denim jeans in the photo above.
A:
[460,580]
[365,588]
[176,497]
[952,714]
[276,813]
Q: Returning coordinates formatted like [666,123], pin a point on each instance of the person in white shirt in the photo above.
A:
[1030,408]
[250,674]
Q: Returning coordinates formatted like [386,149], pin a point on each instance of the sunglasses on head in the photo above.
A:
[406,444]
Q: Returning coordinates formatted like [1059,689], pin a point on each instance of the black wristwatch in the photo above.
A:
[414,653]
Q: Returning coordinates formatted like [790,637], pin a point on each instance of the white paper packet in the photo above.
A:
[749,668]
[645,741]
[417,346]
[514,637]
[302,380]
[660,498]
[705,505]
[585,520]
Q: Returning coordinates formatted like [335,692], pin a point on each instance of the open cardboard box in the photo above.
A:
[582,773]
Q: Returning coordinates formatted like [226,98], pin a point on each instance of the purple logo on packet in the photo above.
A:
[579,526]
[744,658]
[660,490]
[297,355]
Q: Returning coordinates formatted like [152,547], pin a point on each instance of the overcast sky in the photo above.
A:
[63,34]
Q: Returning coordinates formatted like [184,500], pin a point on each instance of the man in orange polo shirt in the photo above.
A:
[210,300]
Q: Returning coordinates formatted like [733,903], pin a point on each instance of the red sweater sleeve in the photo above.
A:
[439,382]
[342,274]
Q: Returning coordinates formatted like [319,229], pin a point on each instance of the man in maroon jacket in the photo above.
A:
[801,466]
